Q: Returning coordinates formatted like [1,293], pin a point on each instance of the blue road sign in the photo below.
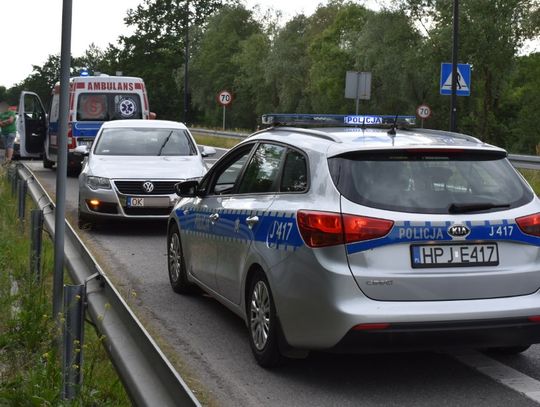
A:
[463,82]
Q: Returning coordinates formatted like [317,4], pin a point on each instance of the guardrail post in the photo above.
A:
[74,307]
[36,239]
[13,179]
[21,197]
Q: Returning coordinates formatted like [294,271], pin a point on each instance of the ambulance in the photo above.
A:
[93,100]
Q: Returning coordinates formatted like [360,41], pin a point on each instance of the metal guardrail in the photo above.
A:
[519,161]
[218,133]
[147,374]
[531,162]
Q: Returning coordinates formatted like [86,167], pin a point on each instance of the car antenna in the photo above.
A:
[392,131]
[364,123]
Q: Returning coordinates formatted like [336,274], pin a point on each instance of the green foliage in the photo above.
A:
[30,370]
[533,178]
[301,65]
[215,64]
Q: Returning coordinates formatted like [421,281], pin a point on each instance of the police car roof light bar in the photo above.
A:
[292,119]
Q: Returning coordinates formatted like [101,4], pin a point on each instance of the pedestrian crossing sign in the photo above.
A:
[463,80]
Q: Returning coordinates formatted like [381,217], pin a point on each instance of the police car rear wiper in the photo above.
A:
[165,143]
[474,207]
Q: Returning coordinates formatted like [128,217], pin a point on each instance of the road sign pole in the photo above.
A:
[61,170]
[453,107]
[223,117]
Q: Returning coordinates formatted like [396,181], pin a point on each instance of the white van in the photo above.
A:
[92,101]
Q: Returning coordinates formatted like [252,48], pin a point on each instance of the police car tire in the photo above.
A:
[269,356]
[510,350]
[180,283]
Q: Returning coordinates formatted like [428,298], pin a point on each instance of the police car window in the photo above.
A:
[144,142]
[263,169]
[108,106]
[294,176]
[428,182]
[227,176]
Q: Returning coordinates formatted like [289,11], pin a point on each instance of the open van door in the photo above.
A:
[31,125]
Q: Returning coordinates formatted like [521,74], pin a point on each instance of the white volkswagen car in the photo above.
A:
[132,168]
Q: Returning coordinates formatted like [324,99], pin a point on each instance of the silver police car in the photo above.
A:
[132,167]
[363,234]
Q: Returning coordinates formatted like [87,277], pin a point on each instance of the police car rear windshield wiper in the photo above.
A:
[474,207]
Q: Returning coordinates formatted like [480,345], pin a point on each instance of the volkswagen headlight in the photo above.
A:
[98,183]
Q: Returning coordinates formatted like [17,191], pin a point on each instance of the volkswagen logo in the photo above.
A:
[459,230]
[148,187]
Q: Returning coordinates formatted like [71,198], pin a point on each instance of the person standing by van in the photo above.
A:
[9,130]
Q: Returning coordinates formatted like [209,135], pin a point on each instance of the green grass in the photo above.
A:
[215,141]
[533,177]
[30,368]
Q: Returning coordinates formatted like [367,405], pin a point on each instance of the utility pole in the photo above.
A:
[61,163]
[186,70]
[455,36]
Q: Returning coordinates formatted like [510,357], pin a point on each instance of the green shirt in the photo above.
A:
[10,128]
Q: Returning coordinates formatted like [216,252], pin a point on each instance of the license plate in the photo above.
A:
[85,143]
[148,202]
[454,255]
[135,202]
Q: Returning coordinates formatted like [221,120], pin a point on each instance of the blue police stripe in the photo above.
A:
[409,232]
[277,229]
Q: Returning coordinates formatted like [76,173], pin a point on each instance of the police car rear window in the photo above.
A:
[108,106]
[429,181]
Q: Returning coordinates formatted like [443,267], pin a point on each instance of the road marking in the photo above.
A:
[501,373]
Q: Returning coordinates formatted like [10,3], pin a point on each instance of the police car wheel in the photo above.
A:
[262,322]
[510,350]
[176,264]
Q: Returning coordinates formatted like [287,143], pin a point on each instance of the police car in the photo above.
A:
[363,234]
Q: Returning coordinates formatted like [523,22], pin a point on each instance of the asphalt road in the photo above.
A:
[211,346]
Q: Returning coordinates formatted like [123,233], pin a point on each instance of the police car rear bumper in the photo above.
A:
[480,334]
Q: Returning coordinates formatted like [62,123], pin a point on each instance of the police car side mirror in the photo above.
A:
[82,150]
[208,151]
[187,189]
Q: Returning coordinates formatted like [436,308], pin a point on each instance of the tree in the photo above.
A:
[331,56]
[155,51]
[287,67]
[521,104]
[500,26]
[216,63]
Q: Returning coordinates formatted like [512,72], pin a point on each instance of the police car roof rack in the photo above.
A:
[337,120]
[452,134]
[309,132]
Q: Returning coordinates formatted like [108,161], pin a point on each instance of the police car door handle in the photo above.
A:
[252,220]
[214,217]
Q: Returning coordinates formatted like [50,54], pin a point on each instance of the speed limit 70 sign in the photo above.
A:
[224,98]
[423,111]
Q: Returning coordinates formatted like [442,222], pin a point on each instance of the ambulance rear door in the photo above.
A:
[31,124]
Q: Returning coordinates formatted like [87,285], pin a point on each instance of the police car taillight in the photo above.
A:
[530,224]
[359,228]
[320,229]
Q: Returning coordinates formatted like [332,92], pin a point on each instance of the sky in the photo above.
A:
[33,28]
